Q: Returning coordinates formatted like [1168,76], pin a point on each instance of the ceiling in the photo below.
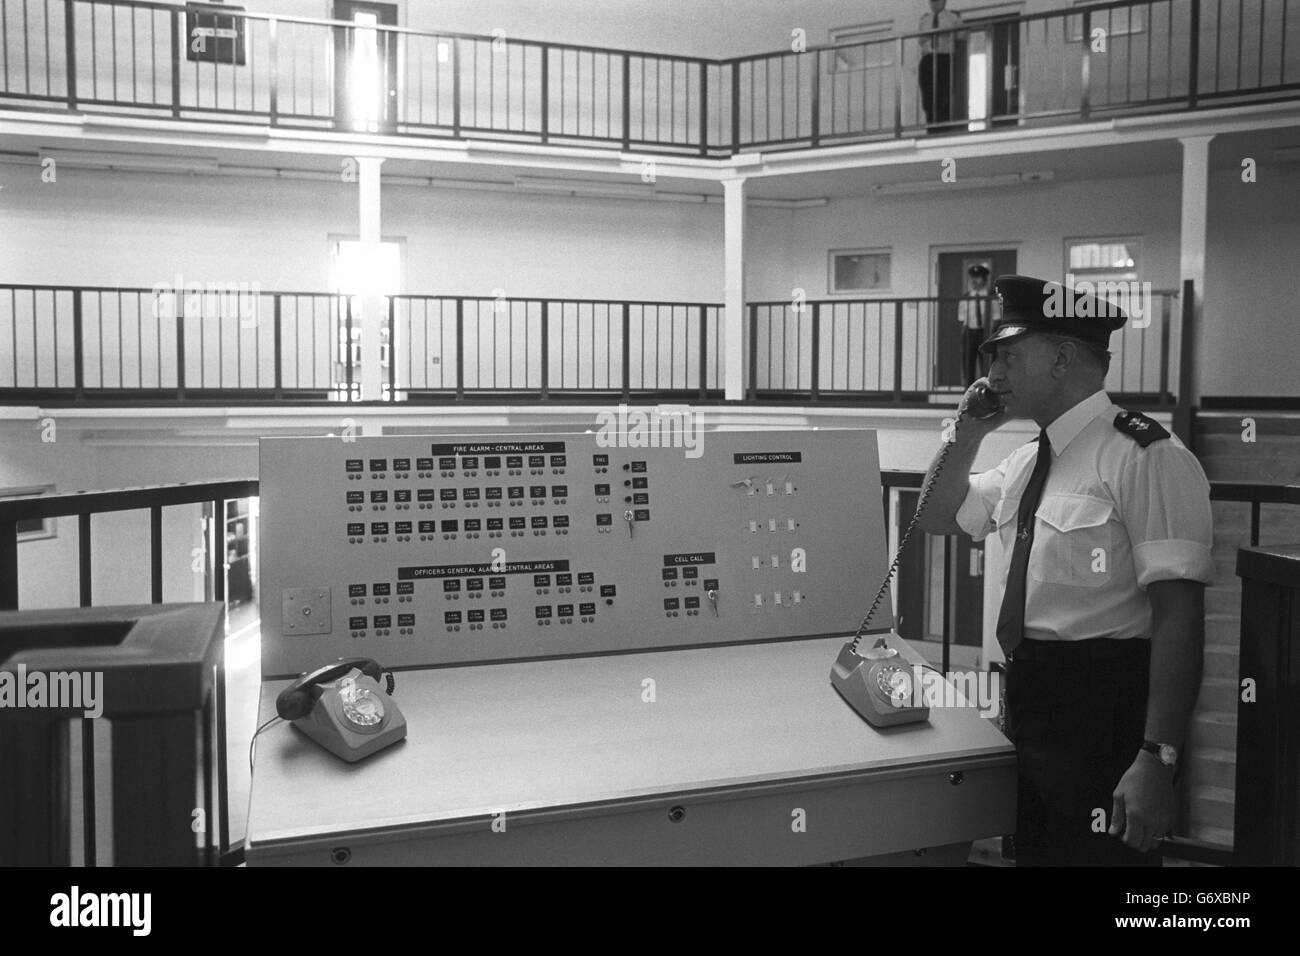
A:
[497,168]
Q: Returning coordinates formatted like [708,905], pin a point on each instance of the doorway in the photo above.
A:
[365,67]
[920,591]
[950,269]
[995,78]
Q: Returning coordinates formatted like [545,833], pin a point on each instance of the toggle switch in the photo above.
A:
[771,524]
[757,562]
[771,488]
[796,597]
[627,516]
[776,561]
[758,600]
[789,487]
[753,526]
[712,595]
[776,598]
[789,524]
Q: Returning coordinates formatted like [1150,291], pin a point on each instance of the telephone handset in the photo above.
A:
[985,402]
[343,708]
[879,684]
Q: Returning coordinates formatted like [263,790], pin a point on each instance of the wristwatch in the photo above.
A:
[1165,753]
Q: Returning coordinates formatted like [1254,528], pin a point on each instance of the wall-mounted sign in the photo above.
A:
[214,33]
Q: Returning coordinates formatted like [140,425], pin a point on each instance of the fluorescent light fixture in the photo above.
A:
[579,187]
[790,203]
[969,182]
[108,159]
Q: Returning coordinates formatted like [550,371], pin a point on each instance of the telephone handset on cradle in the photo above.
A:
[343,708]
[879,684]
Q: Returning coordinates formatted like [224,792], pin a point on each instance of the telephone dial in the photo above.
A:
[878,684]
[343,708]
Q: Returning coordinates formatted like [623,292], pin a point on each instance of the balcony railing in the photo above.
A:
[84,345]
[142,58]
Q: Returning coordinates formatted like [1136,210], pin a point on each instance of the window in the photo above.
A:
[357,271]
[365,66]
[1112,266]
[364,75]
[214,35]
[33,529]
[865,47]
[859,270]
[1106,258]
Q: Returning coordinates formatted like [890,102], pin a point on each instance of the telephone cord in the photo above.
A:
[893,567]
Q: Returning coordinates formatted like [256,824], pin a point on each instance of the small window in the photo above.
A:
[213,33]
[860,270]
[1112,267]
[1104,258]
[866,47]
[32,529]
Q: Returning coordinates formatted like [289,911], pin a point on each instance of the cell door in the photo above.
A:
[365,67]
[1004,73]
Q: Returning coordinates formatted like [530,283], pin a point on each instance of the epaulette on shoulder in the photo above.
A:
[1141,429]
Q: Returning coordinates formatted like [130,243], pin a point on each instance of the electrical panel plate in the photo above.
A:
[434,550]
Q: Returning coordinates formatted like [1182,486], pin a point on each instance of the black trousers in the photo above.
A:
[971,339]
[1077,728]
[935,75]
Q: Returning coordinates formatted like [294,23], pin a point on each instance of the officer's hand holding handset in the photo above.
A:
[979,413]
[983,404]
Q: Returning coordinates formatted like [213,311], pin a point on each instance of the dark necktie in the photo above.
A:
[1011,618]
[979,311]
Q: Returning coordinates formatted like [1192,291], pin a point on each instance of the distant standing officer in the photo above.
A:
[934,72]
[976,313]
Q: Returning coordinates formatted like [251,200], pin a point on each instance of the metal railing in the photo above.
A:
[459,347]
[138,57]
[86,345]
[87,505]
[896,350]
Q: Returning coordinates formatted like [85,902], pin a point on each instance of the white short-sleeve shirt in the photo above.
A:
[931,23]
[979,310]
[1114,517]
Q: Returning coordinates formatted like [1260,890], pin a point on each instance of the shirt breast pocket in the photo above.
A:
[1073,541]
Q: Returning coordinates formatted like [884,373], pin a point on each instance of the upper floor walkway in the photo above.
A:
[132,58]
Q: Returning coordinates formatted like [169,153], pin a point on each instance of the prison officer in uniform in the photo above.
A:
[934,71]
[976,313]
[1106,530]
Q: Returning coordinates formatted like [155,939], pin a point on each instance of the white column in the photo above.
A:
[1191,259]
[735,332]
[373,314]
